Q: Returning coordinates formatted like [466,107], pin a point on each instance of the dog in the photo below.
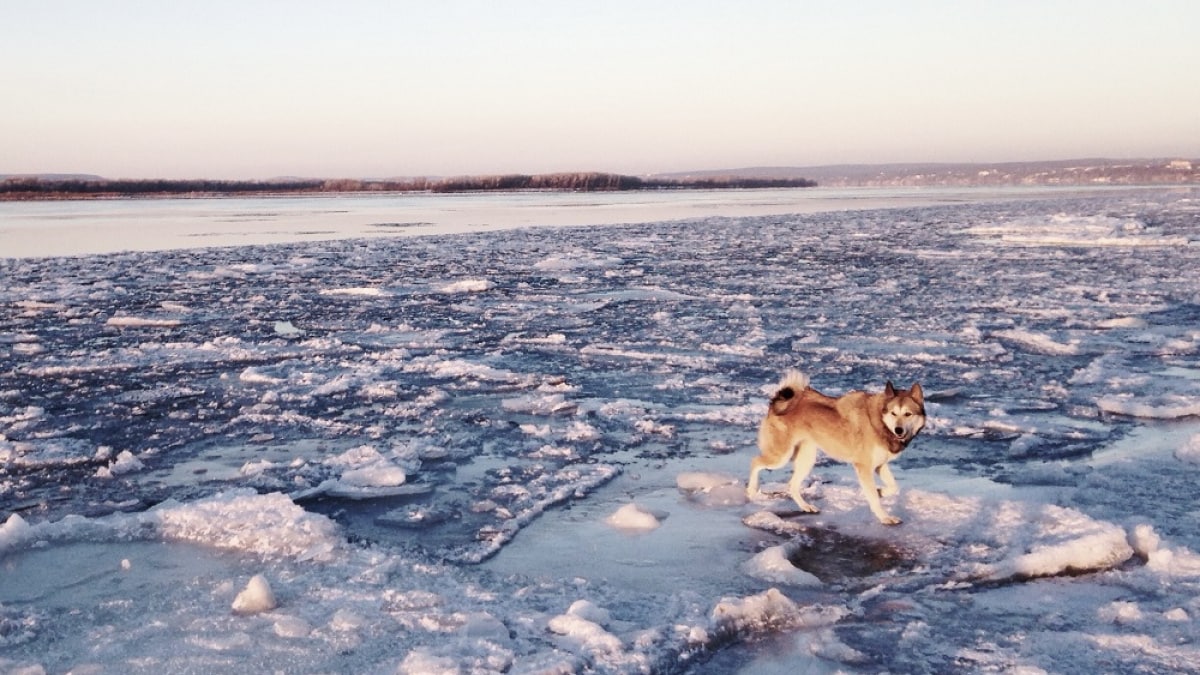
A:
[864,430]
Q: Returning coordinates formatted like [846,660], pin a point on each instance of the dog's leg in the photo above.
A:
[890,489]
[757,464]
[806,456]
[866,479]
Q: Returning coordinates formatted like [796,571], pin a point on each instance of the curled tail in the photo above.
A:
[792,385]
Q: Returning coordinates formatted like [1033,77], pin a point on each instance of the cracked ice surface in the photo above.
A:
[524,450]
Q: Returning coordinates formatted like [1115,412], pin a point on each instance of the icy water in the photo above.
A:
[521,447]
[108,226]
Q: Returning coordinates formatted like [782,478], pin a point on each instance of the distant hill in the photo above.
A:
[1061,172]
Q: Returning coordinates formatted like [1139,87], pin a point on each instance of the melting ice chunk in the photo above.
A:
[772,565]
[287,330]
[256,598]
[633,518]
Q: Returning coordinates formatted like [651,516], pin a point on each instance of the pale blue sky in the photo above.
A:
[242,89]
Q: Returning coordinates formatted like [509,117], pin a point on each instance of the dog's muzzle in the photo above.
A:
[902,437]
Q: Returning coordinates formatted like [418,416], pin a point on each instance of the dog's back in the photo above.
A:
[843,426]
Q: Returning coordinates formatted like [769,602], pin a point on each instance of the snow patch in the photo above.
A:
[1163,407]
[1190,451]
[1038,343]
[467,286]
[968,538]
[141,322]
[772,565]
[634,518]
[13,532]
[357,291]
[269,525]
[125,463]
[364,474]
[584,634]
[256,598]
[285,329]
[769,611]
[1066,229]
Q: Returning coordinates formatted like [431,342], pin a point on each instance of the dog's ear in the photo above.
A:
[889,390]
[917,393]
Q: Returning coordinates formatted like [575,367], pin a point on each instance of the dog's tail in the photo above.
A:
[792,385]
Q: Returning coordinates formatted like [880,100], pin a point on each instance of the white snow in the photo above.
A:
[1162,407]
[358,291]
[1063,542]
[968,538]
[586,609]
[634,518]
[268,525]
[287,330]
[583,634]
[364,473]
[772,565]
[1037,342]
[768,611]
[255,598]
[141,322]
[1064,229]
[125,463]
[467,286]
[14,532]
[1190,451]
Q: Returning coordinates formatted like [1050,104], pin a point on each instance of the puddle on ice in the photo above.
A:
[701,544]
[835,557]
[86,576]
[230,462]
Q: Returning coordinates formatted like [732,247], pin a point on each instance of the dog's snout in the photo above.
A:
[899,431]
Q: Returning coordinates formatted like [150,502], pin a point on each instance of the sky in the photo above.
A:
[238,89]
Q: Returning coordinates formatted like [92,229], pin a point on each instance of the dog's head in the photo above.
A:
[903,412]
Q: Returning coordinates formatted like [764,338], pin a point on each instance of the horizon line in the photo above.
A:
[85,175]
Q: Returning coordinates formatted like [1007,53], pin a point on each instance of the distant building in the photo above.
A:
[1180,165]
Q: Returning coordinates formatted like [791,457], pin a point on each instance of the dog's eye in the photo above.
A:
[907,414]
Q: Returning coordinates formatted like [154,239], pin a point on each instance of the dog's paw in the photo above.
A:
[890,520]
[808,508]
[889,491]
[760,497]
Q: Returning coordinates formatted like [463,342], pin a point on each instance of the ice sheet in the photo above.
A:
[525,450]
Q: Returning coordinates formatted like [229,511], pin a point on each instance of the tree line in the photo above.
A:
[35,188]
[31,188]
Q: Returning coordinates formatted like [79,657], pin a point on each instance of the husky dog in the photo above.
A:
[865,430]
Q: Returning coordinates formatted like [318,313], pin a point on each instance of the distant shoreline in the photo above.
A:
[54,189]
[1057,173]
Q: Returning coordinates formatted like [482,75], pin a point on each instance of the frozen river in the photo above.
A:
[58,228]
[470,434]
